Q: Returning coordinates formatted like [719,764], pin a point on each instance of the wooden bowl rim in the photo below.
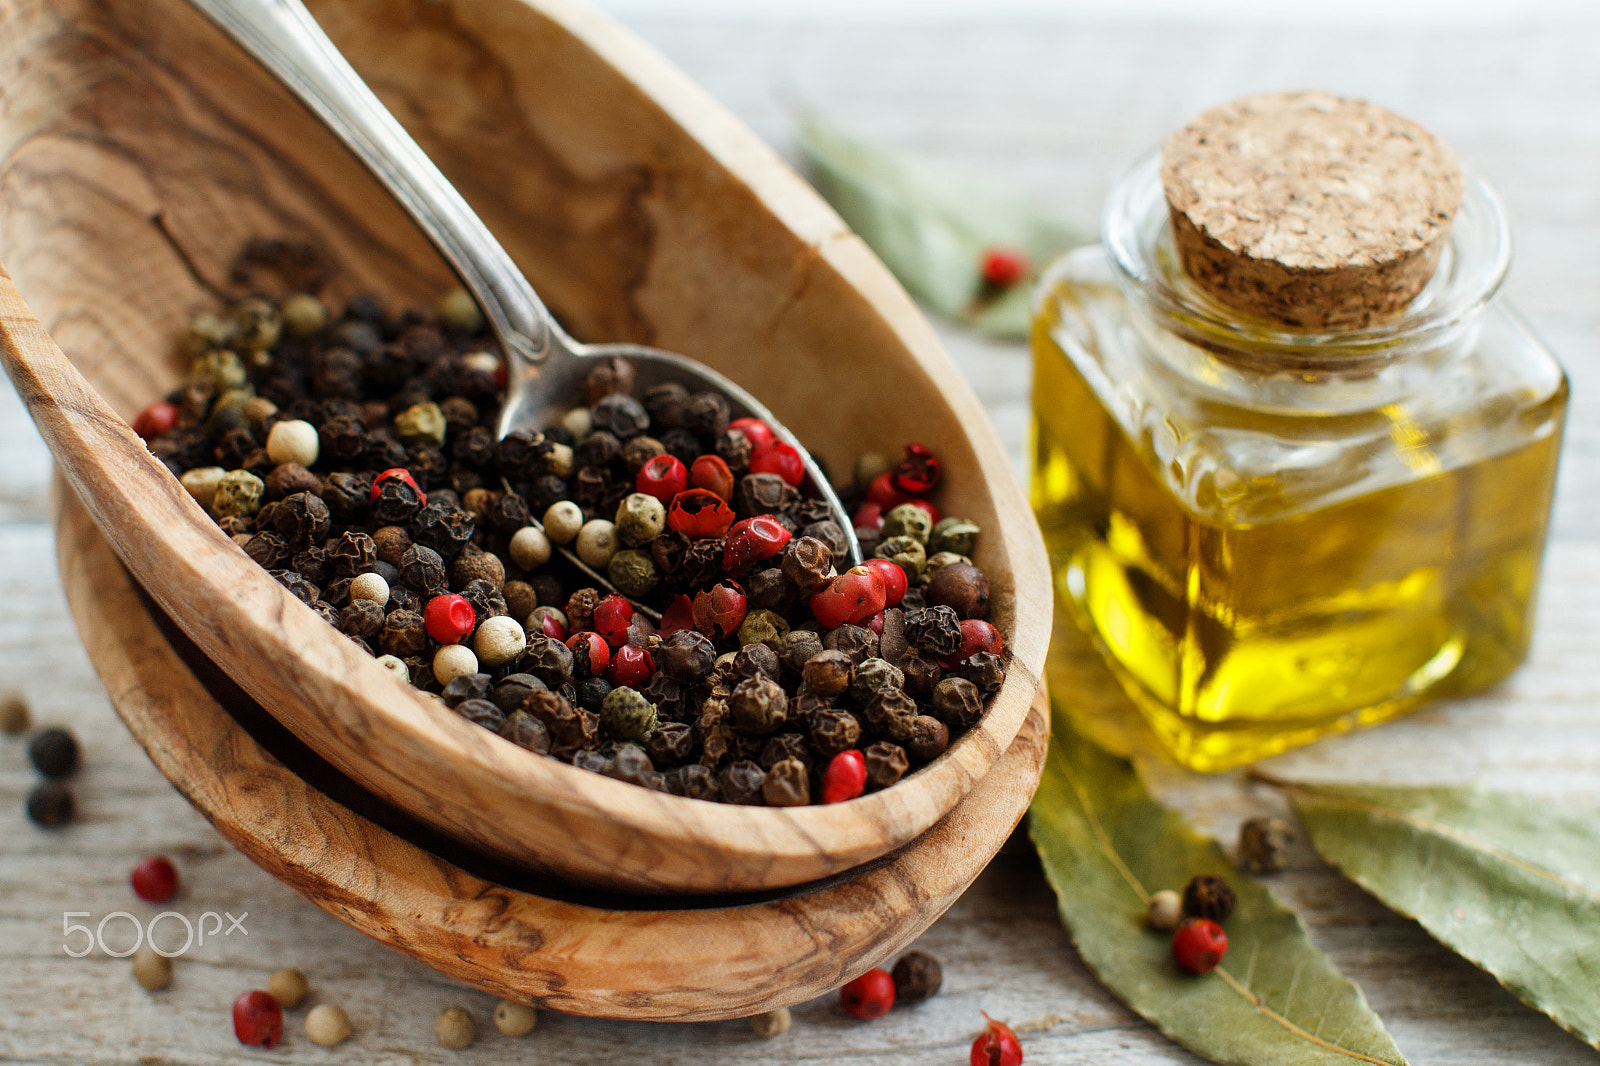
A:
[423,905]
[112,469]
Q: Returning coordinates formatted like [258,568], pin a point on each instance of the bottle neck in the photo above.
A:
[1264,364]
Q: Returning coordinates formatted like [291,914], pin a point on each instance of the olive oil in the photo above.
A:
[1259,574]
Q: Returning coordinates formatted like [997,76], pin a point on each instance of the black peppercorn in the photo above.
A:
[788,784]
[734,448]
[53,752]
[302,519]
[760,494]
[50,804]
[984,669]
[548,659]
[422,569]
[770,590]
[890,713]
[298,586]
[922,674]
[753,659]
[956,702]
[671,743]
[608,377]
[362,618]
[785,746]
[509,692]
[685,656]
[593,761]
[917,976]
[963,588]
[830,533]
[834,730]
[740,782]
[621,416]
[694,781]
[808,563]
[286,479]
[485,599]
[886,764]
[347,497]
[466,687]
[403,635]
[444,529]
[630,763]
[797,648]
[856,642]
[666,404]
[929,739]
[352,554]
[572,729]
[592,692]
[597,451]
[758,705]
[526,731]
[707,414]
[1262,843]
[1208,896]
[681,443]
[828,672]
[267,550]
[934,630]
[482,712]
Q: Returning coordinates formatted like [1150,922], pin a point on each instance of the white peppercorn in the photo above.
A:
[562,521]
[515,1019]
[370,587]
[152,970]
[327,1025]
[395,666]
[1165,911]
[288,986]
[772,1023]
[640,519]
[454,1028]
[303,314]
[202,483]
[293,441]
[530,548]
[481,362]
[578,422]
[457,310]
[499,641]
[453,660]
[597,543]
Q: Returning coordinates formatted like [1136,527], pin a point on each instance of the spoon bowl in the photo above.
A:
[140,150]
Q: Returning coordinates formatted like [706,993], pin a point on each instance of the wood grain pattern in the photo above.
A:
[635,959]
[637,204]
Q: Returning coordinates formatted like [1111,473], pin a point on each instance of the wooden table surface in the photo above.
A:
[1054,110]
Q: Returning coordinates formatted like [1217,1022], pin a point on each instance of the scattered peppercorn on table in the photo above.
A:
[968,94]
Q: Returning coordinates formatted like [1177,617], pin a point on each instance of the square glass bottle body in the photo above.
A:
[1275,537]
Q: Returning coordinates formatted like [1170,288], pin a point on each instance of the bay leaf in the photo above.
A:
[931,225]
[1509,882]
[1106,844]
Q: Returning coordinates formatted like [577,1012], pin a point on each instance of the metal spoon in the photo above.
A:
[545,368]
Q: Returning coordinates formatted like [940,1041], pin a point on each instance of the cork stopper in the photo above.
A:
[1309,209]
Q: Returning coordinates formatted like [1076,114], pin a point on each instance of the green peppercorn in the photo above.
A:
[626,714]
[458,311]
[872,677]
[905,553]
[634,573]
[908,520]
[218,368]
[303,314]
[254,324]
[238,492]
[205,330]
[953,535]
[640,519]
[421,422]
[763,627]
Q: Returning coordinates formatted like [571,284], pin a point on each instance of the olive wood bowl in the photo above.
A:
[386,875]
[140,150]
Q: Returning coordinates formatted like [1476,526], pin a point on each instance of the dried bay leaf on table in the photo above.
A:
[1509,882]
[931,226]
[1106,844]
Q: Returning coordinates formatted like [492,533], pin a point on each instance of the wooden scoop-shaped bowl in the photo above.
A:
[140,150]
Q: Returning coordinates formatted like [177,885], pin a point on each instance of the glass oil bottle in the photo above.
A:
[1275,532]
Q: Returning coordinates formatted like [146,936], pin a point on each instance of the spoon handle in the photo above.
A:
[283,37]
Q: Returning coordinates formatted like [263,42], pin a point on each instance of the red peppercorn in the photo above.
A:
[894,580]
[845,778]
[709,472]
[719,610]
[1003,267]
[918,472]
[631,665]
[868,516]
[397,471]
[976,635]
[699,514]
[257,1019]
[1199,945]
[612,616]
[662,476]
[776,457]
[551,627]
[155,420]
[933,512]
[756,431]
[155,880]
[868,996]
[882,492]
[997,1045]
[678,617]
[449,618]
[753,540]
[875,623]
[599,651]
[853,596]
